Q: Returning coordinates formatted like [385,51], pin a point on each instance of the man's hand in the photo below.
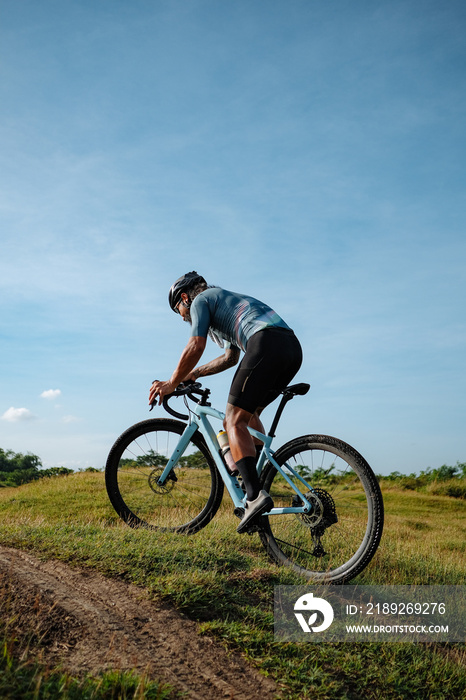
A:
[188,360]
[160,389]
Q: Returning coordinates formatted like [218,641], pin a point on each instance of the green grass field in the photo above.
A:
[225,581]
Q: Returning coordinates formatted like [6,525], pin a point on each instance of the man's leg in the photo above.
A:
[243,447]
[236,424]
[243,450]
[256,423]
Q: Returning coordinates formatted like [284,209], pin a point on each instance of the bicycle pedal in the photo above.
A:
[252,529]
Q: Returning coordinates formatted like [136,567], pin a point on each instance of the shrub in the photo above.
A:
[442,481]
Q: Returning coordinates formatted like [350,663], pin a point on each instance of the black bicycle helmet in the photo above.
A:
[181,285]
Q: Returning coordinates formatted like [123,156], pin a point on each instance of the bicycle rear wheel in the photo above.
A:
[338,539]
[189,498]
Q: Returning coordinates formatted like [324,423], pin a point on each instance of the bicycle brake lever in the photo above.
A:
[182,389]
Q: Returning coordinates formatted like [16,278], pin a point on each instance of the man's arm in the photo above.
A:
[229,359]
[188,360]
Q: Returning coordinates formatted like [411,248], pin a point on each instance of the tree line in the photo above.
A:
[17,468]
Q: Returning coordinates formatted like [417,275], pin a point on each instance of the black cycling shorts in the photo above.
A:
[273,357]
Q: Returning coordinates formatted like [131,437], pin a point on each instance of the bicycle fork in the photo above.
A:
[183,443]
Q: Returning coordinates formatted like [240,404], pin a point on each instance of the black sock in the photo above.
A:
[247,469]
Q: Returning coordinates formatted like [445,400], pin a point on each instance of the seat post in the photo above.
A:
[289,393]
[285,398]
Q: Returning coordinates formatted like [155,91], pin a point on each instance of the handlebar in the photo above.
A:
[189,389]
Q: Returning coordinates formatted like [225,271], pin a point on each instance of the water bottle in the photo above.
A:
[222,438]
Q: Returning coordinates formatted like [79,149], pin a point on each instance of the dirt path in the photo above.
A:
[91,623]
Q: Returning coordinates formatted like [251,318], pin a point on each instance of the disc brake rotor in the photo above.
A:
[161,488]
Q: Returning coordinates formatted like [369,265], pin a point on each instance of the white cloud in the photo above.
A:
[51,394]
[14,415]
[70,419]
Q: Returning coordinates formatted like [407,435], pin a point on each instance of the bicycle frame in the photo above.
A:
[199,422]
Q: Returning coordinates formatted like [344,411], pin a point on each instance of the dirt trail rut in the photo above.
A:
[98,623]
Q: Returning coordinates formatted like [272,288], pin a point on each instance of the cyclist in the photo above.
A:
[272,358]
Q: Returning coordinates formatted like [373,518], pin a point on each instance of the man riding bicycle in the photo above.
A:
[272,357]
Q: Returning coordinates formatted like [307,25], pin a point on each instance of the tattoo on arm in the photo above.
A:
[229,359]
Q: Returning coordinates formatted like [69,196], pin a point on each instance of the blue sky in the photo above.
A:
[311,154]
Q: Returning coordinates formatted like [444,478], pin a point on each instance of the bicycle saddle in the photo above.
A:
[297,389]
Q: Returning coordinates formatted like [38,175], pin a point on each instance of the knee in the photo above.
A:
[235,418]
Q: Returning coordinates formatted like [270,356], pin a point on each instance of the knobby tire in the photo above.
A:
[186,502]
[338,540]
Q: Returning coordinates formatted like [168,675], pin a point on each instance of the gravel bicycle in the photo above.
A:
[327,518]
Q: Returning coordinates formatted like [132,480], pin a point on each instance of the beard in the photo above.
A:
[187,317]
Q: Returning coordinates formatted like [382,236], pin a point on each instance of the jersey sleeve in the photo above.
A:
[200,317]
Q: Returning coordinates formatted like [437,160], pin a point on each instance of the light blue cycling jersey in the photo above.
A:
[231,317]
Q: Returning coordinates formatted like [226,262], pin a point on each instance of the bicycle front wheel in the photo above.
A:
[187,500]
[338,538]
